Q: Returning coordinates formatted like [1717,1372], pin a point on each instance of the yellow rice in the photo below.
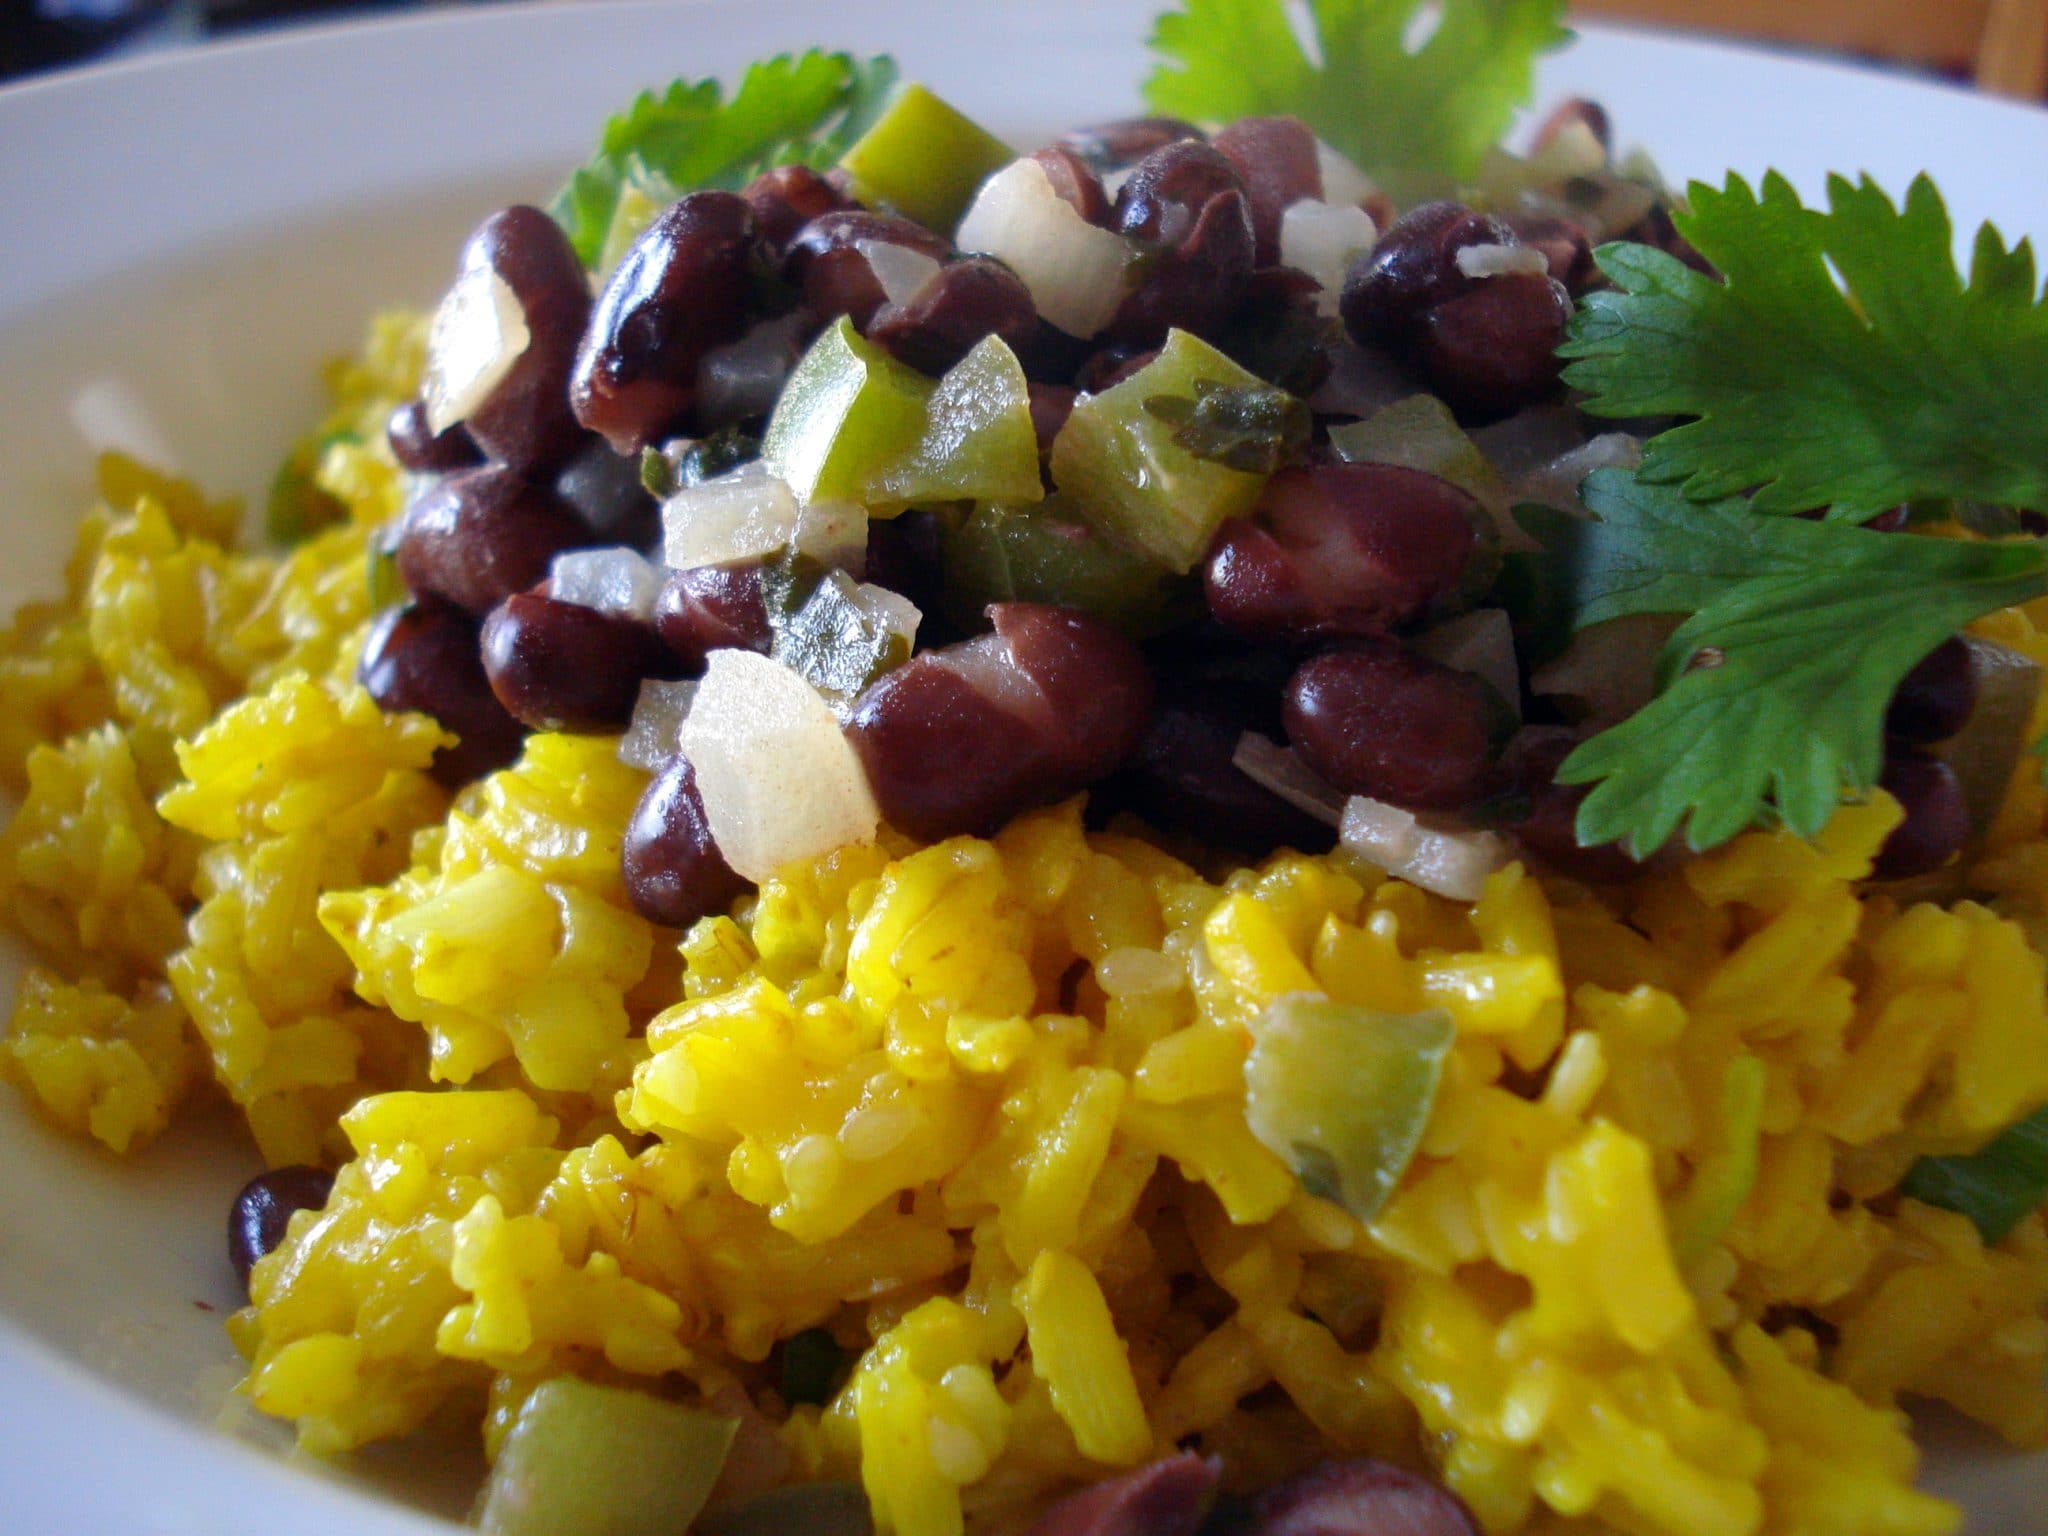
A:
[978,1108]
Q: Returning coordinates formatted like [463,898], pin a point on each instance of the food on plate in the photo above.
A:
[1262,821]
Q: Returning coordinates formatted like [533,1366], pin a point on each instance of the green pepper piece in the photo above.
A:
[1342,1094]
[584,1460]
[637,207]
[297,508]
[1048,554]
[1120,464]
[924,158]
[1421,433]
[977,443]
[849,411]
[1723,1178]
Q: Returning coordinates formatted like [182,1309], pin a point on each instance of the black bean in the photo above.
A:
[1379,720]
[1276,157]
[785,199]
[1574,109]
[1937,823]
[712,608]
[265,1207]
[1548,824]
[1187,202]
[478,537]
[1360,1498]
[1077,185]
[418,448]
[605,490]
[963,738]
[1112,146]
[680,290]
[1412,269]
[425,657]
[1341,549]
[1051,405]
[1935,699]
[1169,1497]
[558,666]
[825,261]
[905,554]
[1110,367]
[674,872]
[969,298]
[1494,350]
[525,422]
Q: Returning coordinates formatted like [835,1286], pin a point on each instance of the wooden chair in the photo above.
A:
[2000,44]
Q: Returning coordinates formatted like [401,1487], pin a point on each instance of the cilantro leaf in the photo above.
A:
[1416,120]
[1772,695]
[1995,1186]
[1900,381]
[802,109]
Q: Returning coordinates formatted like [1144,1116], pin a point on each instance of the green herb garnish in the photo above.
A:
[1254,428]
[1994,1187]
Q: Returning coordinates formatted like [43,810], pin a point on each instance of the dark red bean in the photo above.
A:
[1114,145]
[1360,1498]
[1110,367]
[905,554]
[1051,405]
[1341,549]
[680,290]
[604,489]
[418,448]
[425,657]
[712,608]
[1276,157]
[960,739]
[1494,350]
[480,536]
[1159,200]
[525,422]
[1412,269]
[265,1207]
[785,199]
[1167,1498]
[1549,826]
[1579,110]
[1565,246]
[1379,720]
[674,871]
[558,666]
[1937,823]
[1077,185]
[1189,204]
[1935,699]
[970,298]
[825,262]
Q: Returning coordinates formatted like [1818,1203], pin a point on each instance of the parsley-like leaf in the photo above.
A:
[1254,428]
[1417,121]
[1899,381]
[802,109]
[1772,695]
[1994,1187]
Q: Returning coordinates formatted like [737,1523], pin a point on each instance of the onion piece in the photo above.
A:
[655,733]
[1323,239]
[833,533]
[1074,269]
[779,781]
[1610,669]
[1446,861]
[741,515]
[1488,260]
[1530,438]
[616,580]
[901,271]
[1275,768]
[1557,482]
[1362,380]
[1343,182]
[1991,744]
[744,378]
[1482,643]
[478,332]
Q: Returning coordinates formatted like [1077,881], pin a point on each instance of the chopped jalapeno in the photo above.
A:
[1048,554]
[849,412]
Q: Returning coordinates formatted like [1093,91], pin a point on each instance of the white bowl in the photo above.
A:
[188,235]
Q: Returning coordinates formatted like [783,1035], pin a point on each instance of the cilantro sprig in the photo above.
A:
[1995,1186]
[1772,694]
[1417,120]
[1840,362]
[791,109]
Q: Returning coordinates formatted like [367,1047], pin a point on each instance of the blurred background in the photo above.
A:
[1999,45]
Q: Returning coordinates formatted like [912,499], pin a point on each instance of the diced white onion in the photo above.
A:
[1343,182]
[742,515]
[1113,181]
[1273,767]
[744,378]
[656,732]
[833,533]
[478,333]
[901,271]
[1482,643]
[1323,239]
[1572,150]
[617,580]
[779,781]
[1445,861]
[1362,380]
[1557,483]
[1074,269]
[1500,260]
[1530,438]
[1609,671]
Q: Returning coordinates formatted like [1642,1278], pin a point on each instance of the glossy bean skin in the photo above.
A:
[972,297]
[604,489]
[960,739]
[1168,1497]
[1075,181]
[476,538]
[525,422]
[264,1208]
[674,872]
[1359,1498]
[425,657]
[1276,158]
[712,608]
[1937,823]
[1188,205]
[1493,350]
[419,448]
[681,289]
[1935,700]
[1112,146]
[1412,269]
[825,262]
[557,666]
[1051,405]
[1548,827]
[1378,720]
[783,200]
[1341,549]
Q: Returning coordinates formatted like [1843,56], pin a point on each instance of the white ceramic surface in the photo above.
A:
[186,236]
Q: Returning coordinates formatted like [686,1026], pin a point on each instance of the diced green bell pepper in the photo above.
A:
[584,1460]
[977,443]
[1119,464]
[1342,1094]
[924,158]
[849,413]
[1048,554]
[637,207]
